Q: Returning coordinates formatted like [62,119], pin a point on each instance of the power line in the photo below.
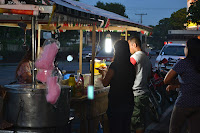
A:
[141,16]
[159,8]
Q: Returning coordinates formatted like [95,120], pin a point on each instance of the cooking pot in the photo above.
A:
[26,106]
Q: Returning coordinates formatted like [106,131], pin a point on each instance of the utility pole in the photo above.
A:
[141,16]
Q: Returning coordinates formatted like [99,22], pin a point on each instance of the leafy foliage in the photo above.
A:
[69,36]
[160,31]
[178,19]
[10,35]
[193,12]
[113,7]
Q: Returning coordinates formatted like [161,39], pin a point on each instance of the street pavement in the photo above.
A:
[163,125]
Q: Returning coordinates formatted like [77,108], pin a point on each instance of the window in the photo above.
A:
[173,50]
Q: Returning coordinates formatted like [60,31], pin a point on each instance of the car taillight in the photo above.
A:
[167,43]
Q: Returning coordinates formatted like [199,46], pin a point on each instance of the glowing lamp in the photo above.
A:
[108,44]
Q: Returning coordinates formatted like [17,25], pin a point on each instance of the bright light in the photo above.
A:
[108,44]
[69,58]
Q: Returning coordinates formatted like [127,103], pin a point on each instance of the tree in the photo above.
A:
[160,31]
[112,7]
[193,13]
[177,19]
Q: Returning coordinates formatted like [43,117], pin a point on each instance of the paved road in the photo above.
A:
[7,70]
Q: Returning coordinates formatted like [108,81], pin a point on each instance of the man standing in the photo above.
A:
[143,72]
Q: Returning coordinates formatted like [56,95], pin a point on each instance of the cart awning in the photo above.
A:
[96,13]
[67,12]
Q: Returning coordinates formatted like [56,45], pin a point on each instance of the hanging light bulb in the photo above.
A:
[108,44]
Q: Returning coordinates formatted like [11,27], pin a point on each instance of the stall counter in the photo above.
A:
[91,112]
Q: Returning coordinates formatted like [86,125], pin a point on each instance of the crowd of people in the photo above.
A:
[128,93]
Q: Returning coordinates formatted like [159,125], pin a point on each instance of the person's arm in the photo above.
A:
[106,76]
[170,78]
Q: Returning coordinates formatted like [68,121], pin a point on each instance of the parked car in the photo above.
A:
[108,57]
[87,53]
[171,52]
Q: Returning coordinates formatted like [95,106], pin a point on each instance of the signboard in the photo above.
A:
[19,2]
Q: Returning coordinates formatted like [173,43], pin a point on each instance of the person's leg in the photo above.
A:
[194,120]
[138,117]
[127,117]
[135,115]
[178,118]
[119,122]
[143,103]
[115,122]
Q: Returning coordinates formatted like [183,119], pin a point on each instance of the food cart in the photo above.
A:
[26,104]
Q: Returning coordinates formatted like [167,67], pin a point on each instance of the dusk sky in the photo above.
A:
[155,9]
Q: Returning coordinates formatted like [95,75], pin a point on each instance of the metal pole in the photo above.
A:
[80,51]
[33,19]
[99,36]
[93,53]
[126,35]
[39,37]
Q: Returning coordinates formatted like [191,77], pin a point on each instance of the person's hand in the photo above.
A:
[102,70]
[170,87]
